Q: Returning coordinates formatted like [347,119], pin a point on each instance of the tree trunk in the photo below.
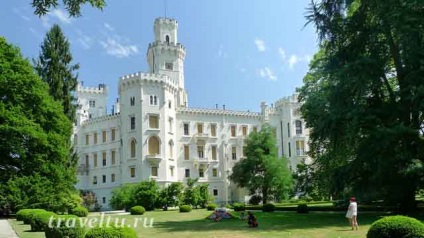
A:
[264,195]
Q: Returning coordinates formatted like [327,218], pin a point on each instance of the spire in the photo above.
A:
[165,7]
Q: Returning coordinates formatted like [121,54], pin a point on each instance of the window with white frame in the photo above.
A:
[153,100]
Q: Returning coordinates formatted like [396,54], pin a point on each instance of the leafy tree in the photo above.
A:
[146,194]
[123,197]
[42,7]
[171,194]
[262,172]
[204,197]
[308,184]
[35,168]
[363,98]
[191,195]
[54,66]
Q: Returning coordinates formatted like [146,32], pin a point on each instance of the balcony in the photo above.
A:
[154,159]
[83,168]
[201,138]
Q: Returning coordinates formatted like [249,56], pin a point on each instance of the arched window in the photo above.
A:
[132,148]
[167,39]
[154,146]
[298,127]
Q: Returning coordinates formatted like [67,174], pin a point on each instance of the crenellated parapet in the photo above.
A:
[287,100]
[170,48]
[140,78]
[101,89]
[108,117]
[203,111]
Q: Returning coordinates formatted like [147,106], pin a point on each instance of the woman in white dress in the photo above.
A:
[352,213]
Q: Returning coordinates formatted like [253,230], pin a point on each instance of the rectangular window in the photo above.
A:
[200,151]
[171,171]
[186,129]
[289,150]
[171,122]
[87,160]
[234,153]
[300,147]
[154,171]
[153,100]
[104,136]
[112,178]
[75,139]
[288,129]
[132,123]
[187,173]
[87,139]
[104,178]
[214,152]
[169,66]
[213,130]
[132,172]
[94,180]
[274,131]
[92,103]
[186,152]
[95,159]
[298,127]
[244,151]
[215,192]
[104,158]
[233,131]
[95,138]
[244,130]
[255,129]
[214,173]
[200,128]
[113,134]
[201,173]
[132,101]
[113,155]
[154,121]
[104,200]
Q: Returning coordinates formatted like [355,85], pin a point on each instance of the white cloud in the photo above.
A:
[109,27]
[260,44]
[307,58]
[294,59]
[85,40]
[36,33]
[282,53]
[61,16]
[21,14]
[115,47]
[267,73]
[45,21]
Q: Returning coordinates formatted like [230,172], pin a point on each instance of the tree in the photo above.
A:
[191,195]
[171,194]
[204,195]
[146,194]
[54,66]
[42,7]
[35,169]
[262,172]
[123,197]
[363,98]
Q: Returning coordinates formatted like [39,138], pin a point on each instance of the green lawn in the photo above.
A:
[172,224]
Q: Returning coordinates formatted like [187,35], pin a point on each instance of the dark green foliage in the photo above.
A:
[137,210]
[396,227]
[185,208]
[262,172]
[111,232]
[123,197]
[146,194]
[170,195]
[238,207]
[65,228]
[42,7]
[268,207]
[40,220]
[80,212]
[211,207]
[302,208]
[255,199]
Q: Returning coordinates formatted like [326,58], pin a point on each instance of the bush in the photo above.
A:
[80,212]
[40,220]
[111,232]
[302,208]
[28,216]
[239,207]
[137,210]
[255,200]
[22,213]
[211,207]
[396,227]
[185,208]
[268,207]
[65,228]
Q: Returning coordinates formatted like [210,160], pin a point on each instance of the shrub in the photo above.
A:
[111,232]
[255,199]
[80,212]
[268,207]
[40,220]
[185,208]
[28,216]
[211,207]
[21,213]
[396,227]
[137,210]
[302,208]
[69,226]
[239,207]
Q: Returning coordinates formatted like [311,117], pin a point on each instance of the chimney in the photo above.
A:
[223,106]
[216,106]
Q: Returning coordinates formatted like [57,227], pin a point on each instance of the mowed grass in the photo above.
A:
[172,224]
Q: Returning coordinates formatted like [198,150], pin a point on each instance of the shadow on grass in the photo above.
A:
[277,221]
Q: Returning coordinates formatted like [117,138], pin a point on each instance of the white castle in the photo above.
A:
[153,134]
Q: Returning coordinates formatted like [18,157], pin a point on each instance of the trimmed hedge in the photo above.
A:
[185,208]
[40,220]
[302,208]
[238,207]
[396,227]
[268,207]
[80,212]
[65,228]
[137,210]
[111,232]
[27,217]
[21,213]
[211,207]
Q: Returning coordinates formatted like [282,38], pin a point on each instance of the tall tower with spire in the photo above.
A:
[166,56]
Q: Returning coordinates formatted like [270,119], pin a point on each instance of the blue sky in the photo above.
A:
[239,52]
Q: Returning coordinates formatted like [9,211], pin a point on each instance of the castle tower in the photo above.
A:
[91,102]
[166,56]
